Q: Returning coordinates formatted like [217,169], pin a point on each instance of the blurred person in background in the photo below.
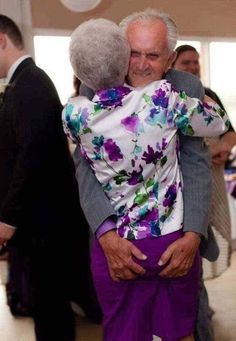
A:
[187,59]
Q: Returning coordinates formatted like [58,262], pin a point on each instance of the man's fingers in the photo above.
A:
[124,274]
[128,267]
[136,268]
[165,257]
[177,267]
[120,253]
[137,253]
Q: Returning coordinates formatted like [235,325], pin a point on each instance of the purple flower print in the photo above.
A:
[181,109]
[112,150]
[150,156]
[132,123]
[160,98]
[155,117]
[163,145]
[112,97]
[150,216]
[135,177]
[170,196]
[153,112]
[151,219]
[84,117]
[173,88]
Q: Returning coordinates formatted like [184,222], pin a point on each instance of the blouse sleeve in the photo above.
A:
[195,118]
[71,123]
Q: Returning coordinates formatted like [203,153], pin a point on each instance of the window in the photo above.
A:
[51,54]
[217,60]
[223,73]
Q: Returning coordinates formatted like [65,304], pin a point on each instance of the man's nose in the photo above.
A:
[142,63]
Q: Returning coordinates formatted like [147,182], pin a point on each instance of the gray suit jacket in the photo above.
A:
[194,159]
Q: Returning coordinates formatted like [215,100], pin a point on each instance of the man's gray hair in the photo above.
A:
[99,54]
[152,14]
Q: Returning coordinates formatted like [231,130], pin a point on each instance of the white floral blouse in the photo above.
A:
[129,136]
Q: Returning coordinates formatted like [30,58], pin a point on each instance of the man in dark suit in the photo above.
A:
[38,195]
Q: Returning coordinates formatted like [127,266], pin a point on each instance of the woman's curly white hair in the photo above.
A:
[99,54]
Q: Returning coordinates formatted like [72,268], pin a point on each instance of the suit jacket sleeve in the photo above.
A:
[194,161]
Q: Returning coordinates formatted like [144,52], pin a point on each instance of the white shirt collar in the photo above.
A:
[14,67]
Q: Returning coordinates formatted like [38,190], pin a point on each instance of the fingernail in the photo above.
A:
[160,263]
[144,257]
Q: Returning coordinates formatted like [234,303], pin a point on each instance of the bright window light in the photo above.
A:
[51,55]
[223,74]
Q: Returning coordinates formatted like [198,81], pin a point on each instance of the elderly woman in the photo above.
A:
[129,139]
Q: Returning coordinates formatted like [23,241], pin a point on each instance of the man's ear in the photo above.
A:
[3,40]
[171,60]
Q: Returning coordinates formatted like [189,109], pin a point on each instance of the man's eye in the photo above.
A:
[135,54]
[186,63]
[153,56]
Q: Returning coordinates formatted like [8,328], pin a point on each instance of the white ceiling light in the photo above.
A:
[80,5]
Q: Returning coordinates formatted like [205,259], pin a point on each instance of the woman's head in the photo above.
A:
[99,54]
[187,59]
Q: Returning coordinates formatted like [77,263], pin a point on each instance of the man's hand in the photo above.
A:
[6,232]
[119,252]
[219,152]
[180,255]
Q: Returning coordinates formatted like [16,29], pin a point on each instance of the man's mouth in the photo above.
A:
[142,74]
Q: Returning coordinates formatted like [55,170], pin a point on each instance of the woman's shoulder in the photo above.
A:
[79,102]
[155,86]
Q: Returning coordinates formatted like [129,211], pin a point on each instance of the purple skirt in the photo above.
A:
[135,310]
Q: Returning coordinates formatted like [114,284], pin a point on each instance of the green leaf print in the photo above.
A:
[87,130]
[189,130]
[97,108]
[121,177]
[147,99]
[163,161]
[150,182]
[141,199]
[182,94]
[130,235]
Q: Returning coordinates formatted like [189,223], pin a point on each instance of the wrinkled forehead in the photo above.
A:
[147,36]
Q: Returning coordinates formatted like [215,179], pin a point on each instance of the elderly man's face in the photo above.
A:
[150,57]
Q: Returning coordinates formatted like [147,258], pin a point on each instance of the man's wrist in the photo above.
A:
[108,225]
[192,234]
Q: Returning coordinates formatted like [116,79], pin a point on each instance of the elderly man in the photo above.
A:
[152,52]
